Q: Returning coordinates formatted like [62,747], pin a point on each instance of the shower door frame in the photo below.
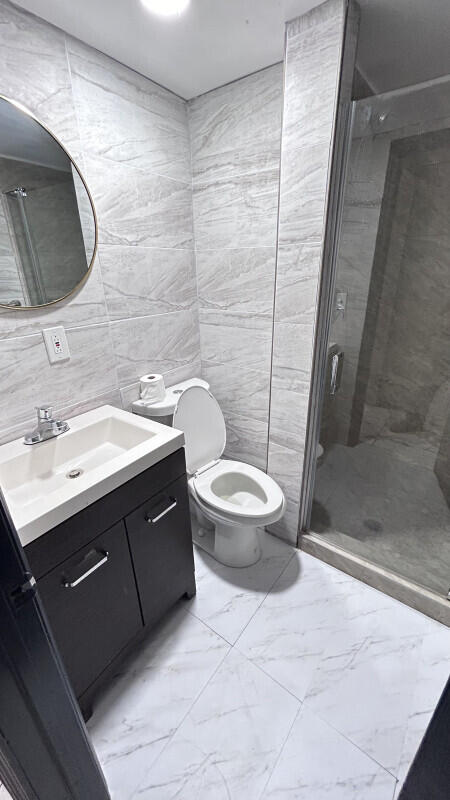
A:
[335,207]
[389,582]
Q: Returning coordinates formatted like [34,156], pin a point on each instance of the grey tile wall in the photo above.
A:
[138,309]
[235,142]
[312,68]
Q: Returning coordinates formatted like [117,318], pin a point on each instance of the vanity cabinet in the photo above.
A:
[92,605]
[156,532]
[108,574]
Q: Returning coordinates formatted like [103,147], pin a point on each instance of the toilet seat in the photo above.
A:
[239,492]
[231,490]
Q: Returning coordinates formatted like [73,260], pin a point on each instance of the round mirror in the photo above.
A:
[48,228]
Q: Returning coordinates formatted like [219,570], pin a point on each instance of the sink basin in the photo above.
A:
[46,483]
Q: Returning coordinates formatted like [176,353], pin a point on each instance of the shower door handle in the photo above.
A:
[336,371]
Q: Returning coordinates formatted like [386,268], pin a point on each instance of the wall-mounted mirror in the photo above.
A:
[48,229]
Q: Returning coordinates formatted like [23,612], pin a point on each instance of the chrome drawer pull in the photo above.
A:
[152,520]
[72,584]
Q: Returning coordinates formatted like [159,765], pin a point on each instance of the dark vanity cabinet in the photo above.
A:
[109,573]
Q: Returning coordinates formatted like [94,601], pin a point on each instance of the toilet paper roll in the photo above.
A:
[152,388]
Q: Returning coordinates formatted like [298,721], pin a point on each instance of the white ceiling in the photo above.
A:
[211,43]
[216,41]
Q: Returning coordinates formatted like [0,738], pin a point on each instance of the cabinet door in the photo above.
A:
[161,548]
[92,604]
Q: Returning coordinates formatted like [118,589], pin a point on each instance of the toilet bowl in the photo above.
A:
[230,499]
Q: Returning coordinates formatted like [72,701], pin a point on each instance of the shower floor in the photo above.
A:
[382,501]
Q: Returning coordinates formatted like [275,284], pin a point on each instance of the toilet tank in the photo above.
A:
[163,410]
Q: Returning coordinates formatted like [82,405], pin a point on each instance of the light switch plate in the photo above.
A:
[56,344]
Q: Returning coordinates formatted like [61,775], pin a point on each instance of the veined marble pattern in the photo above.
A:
[121,125]
[313,58]
[223,124]
[139,208]
[88,376]
[317,762]
[150,696]
[285,679]
[246,439]
[235,144]
[130,138]
[141,281]
[236,211]
[240,280]
[164,341]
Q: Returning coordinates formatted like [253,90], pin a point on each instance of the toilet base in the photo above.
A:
[233,546]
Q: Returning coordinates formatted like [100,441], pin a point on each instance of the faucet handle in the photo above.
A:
[44,412]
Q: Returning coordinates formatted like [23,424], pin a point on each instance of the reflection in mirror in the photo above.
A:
[47,222]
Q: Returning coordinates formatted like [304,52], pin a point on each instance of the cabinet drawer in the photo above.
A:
[161,547]
[92,604]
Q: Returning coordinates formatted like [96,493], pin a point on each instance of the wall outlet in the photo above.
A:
[56,344]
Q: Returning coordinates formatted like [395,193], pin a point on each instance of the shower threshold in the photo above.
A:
[408,592]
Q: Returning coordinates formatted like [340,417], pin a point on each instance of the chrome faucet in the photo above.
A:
[47,427]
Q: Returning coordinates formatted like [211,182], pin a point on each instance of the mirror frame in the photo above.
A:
[78,286]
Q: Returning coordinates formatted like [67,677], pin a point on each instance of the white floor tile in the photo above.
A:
[227,597]
[432,675]
[290,631]
[229,742]
[317,763]
[140,711]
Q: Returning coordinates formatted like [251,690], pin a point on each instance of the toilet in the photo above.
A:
[230,499]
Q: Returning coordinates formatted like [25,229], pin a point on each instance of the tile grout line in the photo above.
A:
[266,595]
[277,760]
[196,699]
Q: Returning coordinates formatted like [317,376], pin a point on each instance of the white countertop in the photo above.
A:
[108,445]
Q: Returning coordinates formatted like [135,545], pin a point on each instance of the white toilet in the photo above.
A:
[231,499]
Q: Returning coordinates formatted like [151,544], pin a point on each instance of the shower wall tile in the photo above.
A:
[239,391]
[297,270]
[246,439]
[236,210]
[303,186]
[235,143]
[239,280]
[223,125]
[137,310]
[314,46]
[239,340]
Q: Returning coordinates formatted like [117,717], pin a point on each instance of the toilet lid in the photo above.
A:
[199,416]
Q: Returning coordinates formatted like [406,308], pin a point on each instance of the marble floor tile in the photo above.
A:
[227,598]
[289,633]
[317,763]
[368,677]
[433,673]
[229,741]
[150,696]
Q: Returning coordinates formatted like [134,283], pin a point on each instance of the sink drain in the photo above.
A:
[74,473]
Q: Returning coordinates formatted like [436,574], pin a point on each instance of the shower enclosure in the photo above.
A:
[382,479]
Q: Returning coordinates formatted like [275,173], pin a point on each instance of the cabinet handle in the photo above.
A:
[71,584]
[152,520]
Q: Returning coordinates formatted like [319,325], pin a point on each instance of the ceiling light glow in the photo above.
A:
[166,8]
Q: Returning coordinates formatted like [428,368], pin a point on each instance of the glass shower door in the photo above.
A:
[382,488]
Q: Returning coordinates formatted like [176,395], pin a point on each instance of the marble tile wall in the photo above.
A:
[130,139]
[235,141]
[314,47]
